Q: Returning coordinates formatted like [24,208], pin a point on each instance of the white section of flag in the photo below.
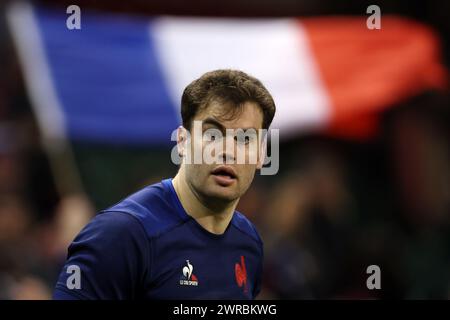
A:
[273,50]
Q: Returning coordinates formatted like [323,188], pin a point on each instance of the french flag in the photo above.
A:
[120,78]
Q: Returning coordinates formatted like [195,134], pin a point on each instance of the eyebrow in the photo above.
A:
[212,121]
[215,123]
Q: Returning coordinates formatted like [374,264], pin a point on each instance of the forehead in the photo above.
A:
[249,115]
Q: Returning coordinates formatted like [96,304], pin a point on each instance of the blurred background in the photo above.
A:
[86,117]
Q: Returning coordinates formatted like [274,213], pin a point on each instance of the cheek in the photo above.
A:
[251,153]
[196,144]
[247,174]
[200,175]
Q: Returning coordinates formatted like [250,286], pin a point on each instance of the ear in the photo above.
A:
[262,151]
[182,136]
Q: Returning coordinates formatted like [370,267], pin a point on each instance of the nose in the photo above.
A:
[227,155]
[227,158]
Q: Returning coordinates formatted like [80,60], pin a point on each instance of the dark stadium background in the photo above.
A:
[336,206]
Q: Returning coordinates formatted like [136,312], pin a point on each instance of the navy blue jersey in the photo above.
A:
[148,247]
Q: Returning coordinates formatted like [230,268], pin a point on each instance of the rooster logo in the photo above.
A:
[189,278]
[187,271]
[241,274]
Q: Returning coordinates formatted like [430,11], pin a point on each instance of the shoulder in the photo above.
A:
[107,229]
[241,222]
[152,206]
[112,256]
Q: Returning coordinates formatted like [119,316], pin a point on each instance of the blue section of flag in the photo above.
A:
[108,78]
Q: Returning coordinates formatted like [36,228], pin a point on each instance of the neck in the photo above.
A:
[212,215]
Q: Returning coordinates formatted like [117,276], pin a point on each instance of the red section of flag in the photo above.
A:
[366,71]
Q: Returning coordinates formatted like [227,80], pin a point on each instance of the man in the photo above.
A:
[182,238]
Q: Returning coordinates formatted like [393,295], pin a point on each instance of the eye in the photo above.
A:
[212,134]
[242,139]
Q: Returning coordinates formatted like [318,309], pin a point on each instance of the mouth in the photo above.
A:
[224,175]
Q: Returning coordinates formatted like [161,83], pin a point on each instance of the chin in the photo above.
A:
[222,193]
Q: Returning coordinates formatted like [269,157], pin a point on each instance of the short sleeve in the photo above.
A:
[110,257]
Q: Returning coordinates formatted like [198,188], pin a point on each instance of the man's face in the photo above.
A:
[233,156]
